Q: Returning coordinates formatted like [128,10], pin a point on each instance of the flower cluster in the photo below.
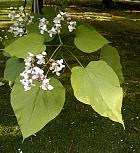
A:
[57,25]
[34,65]
[33,72]
[56,66]
[43,25]
[71,25]
[20,19]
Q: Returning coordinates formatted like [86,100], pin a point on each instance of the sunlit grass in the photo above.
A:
[6,131]
[3,11]
[8,4]
[4,17]
[96,16]
[4,24]
[106,15]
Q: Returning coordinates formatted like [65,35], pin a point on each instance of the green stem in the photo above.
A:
[54,53]
[60,39]
[69,46]
[65,62]
[75,58]
[47,71]
[52,56]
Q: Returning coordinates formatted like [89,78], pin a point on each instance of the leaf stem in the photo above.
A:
[69,46]
[54,53]
[75,57]
[52,56]
[65,62]
[60,39]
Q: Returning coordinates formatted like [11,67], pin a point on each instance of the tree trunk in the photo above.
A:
[37,6]
[25,2]
[108,3]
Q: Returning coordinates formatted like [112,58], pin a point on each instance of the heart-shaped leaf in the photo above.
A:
[36,107]
[31,43]
[14,66]
[111,56]
[98,86]
[88,40]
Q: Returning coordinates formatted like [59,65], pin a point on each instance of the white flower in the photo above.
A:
[20,20]
[20,31]
[29,60]
[21,8]
[30,19]
[43,25]
[52,31]
[57,25]
[71,25]
[20,151]
[44,53]
[43,20]
[25,75]
[16,30]
[45,84]
[37,73]
[11,29]
[63,13]
[34,73]
[56,28]
[12,15]
[27,84]
[59,16]
[57,20]
[40,58]
[11,8]
[57,66]
[70,28]
[6,37]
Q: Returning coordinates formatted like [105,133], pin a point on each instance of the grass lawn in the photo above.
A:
[78,128]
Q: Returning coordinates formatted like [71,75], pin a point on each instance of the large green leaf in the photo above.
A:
[14,66]
[111,56]
[10,39]
[36,107]
[88,40]
[98,86]
[31,43]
